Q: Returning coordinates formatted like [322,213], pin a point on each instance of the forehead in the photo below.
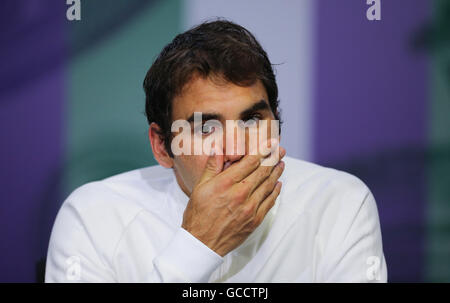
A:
[214,95]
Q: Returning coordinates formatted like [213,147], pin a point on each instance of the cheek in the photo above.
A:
[190,169]
[256,137]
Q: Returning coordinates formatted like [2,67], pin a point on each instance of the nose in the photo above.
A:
[234,145]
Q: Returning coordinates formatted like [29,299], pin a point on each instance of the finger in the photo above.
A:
[213,167]
[258,176]
[268,203]
[248,163]
[273,157]
[266,187]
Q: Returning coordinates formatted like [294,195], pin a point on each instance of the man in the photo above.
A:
[219,215]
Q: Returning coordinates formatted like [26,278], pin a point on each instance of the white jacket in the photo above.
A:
[324,227]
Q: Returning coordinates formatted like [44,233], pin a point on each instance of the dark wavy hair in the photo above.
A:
[214,48]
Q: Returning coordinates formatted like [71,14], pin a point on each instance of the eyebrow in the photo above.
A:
[206,117]
[261,105]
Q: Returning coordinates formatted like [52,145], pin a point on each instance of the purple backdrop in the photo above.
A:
[370,115]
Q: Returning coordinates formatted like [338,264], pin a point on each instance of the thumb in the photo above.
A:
[214,166]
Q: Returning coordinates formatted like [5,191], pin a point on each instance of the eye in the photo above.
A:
[252,120]
[205,129]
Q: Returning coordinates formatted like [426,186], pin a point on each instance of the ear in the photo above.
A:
[159,150]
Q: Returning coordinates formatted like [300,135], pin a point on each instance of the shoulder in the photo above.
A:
[127,192]
[323,192]
[339,210]
[104,208]
[300,174]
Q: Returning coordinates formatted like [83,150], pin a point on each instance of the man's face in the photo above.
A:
[221,101]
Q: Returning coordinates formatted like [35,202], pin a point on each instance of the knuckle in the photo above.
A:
[248,211]
[268,188]
[248,229]
[280,169]
[256,222]
[267,171]
[233,203]
[273,180]
[271,203]
[263,174]
[234,179]
[277,172]
[253,161]
[226,182]
[241,195]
